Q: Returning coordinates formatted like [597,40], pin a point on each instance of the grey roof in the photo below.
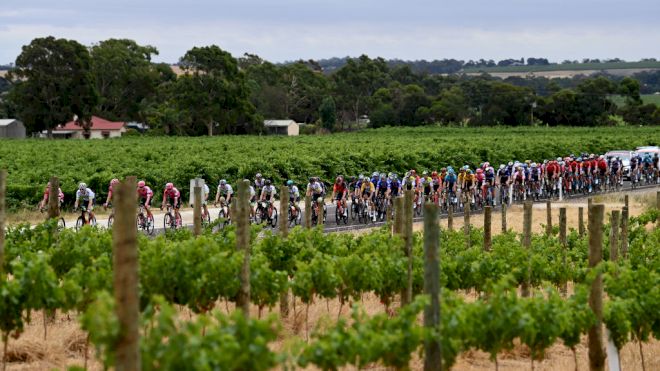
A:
[6,122]
[278,123]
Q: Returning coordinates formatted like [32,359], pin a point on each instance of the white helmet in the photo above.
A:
[82,186]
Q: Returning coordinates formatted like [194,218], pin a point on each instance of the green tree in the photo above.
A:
[125,77]
[213,91]
[328,113]
[53,84]
[357,81]
[451,107]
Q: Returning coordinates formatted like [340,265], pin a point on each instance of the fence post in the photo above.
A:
[125,274]
[197,209]
[408,238]
[466,222]
[399,215]
[614,235]
[527,243]
[504,218]
[308,211]
[625,200]
[450,218]
[581,221]
[243,244]
[54,198]
[596,350]
[488,242]
[562,240]
[3,187]
[284,232]
[548,223]
[432,350]
[657,206]
[319,218]
[624,232]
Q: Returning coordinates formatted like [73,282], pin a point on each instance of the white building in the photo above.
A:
[282,127]
[11,128]
[101,128]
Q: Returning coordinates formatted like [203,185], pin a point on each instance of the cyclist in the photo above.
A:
[480,179]
[449,183]
[489,174]
[383,188]
[225,191]
[109,199]
[367,190]
[259,183]
[518,178]
[44,201]
[395,187]
[425,185]
[268,193]
[294,197]
[145,194]
[634,168]
[535,179]
[85,198]
[469,183]
[436,182]
[172,196]
[315,192]
[339,191]
[648,166]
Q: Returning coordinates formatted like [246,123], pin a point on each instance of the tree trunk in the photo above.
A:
[595,334]
[209,128]
[243,244]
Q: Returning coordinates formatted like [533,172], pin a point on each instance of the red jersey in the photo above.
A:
[553,167]
[59,193]
[146,192]
[339,188]
[574,166]
[172,193]
[602,164]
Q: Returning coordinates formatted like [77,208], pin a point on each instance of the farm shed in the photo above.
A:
[101,128]
[11,128]
[282,127]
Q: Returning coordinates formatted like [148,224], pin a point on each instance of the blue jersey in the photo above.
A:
[450,178]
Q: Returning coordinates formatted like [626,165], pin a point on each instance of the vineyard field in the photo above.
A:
[157,160]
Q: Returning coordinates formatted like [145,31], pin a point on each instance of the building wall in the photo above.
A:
[293,130]
[14,130]
[98,134]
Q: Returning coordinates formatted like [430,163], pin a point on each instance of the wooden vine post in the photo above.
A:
[54,198]
[595,334]
[548,223]
[488,242]
[242,218]
[624,232]
[432,350]
[564,243]
[450,218]
[3,188]
[527,243]
[319,218]
[657,206]
[614,235]
[409,197]
[284,233]
[466,222]
[504,218]
[197,209]
[399,216]
[581,221]
[125,275]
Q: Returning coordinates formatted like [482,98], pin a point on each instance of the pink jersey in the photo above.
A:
[59,192]
[146,192]
[172,193]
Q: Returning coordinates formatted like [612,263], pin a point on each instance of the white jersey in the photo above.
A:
[226,190]
[206,190]
[85,195]
[269,191]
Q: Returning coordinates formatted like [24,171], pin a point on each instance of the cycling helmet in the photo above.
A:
[469,171]
[383,175]
[533,164]
[169,186]
[413,172]
[114,181]
[258,176]
[558,159]
[510,163]
[82,186]
[434,174]
[525,165]
[360,177]
[267,182]
[425,172]
[339,179]
[502,167]
[479,171]
[601,157]
[486,164]
[450,168]
[443,169]
[222,182]
[528,161]
[351,179]
[141,184]
[375,174]
[579,159]
[289,182]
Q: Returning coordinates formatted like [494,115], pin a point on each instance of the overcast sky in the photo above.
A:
[280,30]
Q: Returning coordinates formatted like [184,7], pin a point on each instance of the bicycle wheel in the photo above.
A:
[139,222]
[273,219]
[168,222]
[61,224]
[151,225]
[79,223]
[111,220]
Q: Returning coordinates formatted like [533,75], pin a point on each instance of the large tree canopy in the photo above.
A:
[53,84]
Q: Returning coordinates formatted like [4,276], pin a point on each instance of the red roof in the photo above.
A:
[97,124]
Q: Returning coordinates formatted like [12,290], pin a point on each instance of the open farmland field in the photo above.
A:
[31,163]
[567,67]
[646,98]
